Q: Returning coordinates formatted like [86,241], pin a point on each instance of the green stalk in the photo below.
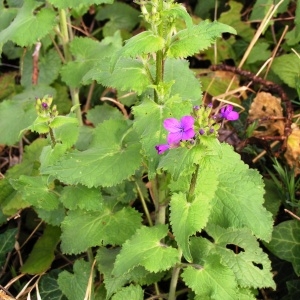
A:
[174,279]
[144,204]
[193,184]
[68,57]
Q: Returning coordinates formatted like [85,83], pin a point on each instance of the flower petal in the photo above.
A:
[162,148]
[174,137]
[188,134]
[187,122]
[172,125]
[232,116]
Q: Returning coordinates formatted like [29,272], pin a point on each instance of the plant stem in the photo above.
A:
[144,204]
[65,41]
[193,183]
[174,279]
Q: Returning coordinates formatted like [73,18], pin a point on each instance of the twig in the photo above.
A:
[292,214]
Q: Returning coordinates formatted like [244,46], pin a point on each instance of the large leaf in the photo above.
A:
[88,53]
[29,26]
[42,254]
[287,68]
[145,249]
[239,198]
[97,228]
[132,292]
[212,281]
[7,242]
[285,243]
[113,156]
[196,38]
[251,265]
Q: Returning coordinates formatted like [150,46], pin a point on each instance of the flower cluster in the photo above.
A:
[43,107]
[184,129]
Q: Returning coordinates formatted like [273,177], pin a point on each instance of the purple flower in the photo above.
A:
[44,105]
[201,131]
[162,148]
[179,130]
[228,113]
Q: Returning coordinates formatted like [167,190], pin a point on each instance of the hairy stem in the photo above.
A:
[174,279]
[144,204]
[193,184]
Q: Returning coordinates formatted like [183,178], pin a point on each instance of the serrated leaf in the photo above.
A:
[37,190]
[42,254]
[189,217]
[148,123]
[287,68]
[142,43]
[48,287]
[211,281]
[177,10]
[239,199]
[77,3]
[128,74]
[81,197]
[98,228]
[88,53]
[7,242]
[29,25]
[15,116]
[145,249]
[285,243]
[251,265]
[196,38]
[113,158]
[74,286]
[132,292]
[53,217]
[186,85]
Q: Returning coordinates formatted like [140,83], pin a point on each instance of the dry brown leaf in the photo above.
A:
[263,107]
[4,296]
[292,154]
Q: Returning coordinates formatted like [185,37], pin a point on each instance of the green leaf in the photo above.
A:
[74,286]
[52,217]
[142,43]
[128,74]
[7,243]
[186,85]
[189,217]
[37,190]
[121,17]
[238,201]
[132,292]
[48,287]
[196,38]
[101,113]
[251,265]
[212,281]
[177,10]
[42,254]
[285,243]
[145,249]
[14,116]
[49,67]
[287,68]
[148,123]
[29,25]
[113,157]
[77,3]
[260,52]
[81,197]
[98,228]
[88,53]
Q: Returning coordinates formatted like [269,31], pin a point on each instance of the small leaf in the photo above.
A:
[7,242]
[132,292]
[42,254]
[74,286]
[98,228]
[196,38]
[145,249]
[29,25]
